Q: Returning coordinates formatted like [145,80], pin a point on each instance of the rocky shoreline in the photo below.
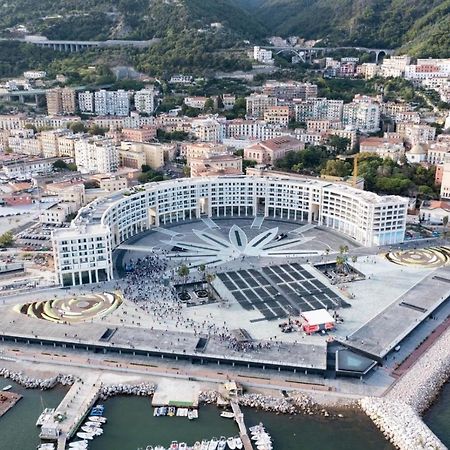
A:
[141,389]
[37,383]
[296,403]
[397,414]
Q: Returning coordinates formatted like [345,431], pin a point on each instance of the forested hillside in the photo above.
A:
[420,26]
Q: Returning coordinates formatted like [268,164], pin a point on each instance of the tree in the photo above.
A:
[209,279]
[339,144]
[6,239]
[183,272]
[445,223]
[337,168]
[209,105]
[77,127]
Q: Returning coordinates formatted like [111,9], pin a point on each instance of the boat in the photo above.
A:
[88,436]
[227,414]
[231,443]
[172,411]
[204,445]
[45,415]
[213,444]
[173,445]
[222,443]
[149,447]
[94,431]
[197,446]
[79,444]
[159,447]
[238,442]
[49,446]
[7,388]
[192,414]
[163,410]
[94,424]
[98,419]
[182,446]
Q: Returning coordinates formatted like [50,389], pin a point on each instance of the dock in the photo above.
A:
[7,401]
[71,411]
[239,418]
[177,392]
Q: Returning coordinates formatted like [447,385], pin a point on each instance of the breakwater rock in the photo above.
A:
[401,425]
[37,383]
[295,403]
[397,414]
[127,389]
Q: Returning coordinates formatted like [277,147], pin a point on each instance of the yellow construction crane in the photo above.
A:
[355,169]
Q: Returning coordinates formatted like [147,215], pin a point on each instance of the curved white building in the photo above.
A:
[83,252]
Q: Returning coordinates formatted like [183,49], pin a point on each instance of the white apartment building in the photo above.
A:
[83,252]
[395,66]
[318,109]
[363,115]
[144,101]
[262,55]
[86,102]
[112,103]
[96,155]
[207,130]
[289,91]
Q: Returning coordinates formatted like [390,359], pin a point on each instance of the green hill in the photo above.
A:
[420,26]
[134,19]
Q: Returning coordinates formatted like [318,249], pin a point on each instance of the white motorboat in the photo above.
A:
[76,444]
[94,431]
[79,445]
[45,415]
[238,442]
[49,446]
[231,442]
[7,388]
[173,445]
[160,447]
[192,414]
[197,446]
[99,419]
[88,436]
[204,445]
[182,446]
[222,443]
[213,443]
[149,447]
[93,424]
[227,415]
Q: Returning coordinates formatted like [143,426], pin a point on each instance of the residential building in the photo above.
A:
[362,114]
[290,90]
[96,155]
[202,150]
[277,115]
[112,103]
[68,191]
[60,101]
[228,101]
[26,169]
[57,214]
[318,109]
[144,134]
[368,70]
[258,103]
[383,147]
[216,164]
[207,130]
[83,252]
[86,102]
[262,55]
[144,101]
[195,102]
[267,152]
[112,183]
[395,66]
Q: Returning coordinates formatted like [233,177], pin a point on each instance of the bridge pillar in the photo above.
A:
[377,54]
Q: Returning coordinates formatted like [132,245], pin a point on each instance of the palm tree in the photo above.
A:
[183,272]
[354,259]
[202,269]
[340,261]
[209,279]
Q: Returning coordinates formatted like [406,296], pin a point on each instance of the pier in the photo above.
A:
[239,417]
[7,401]
[72,410]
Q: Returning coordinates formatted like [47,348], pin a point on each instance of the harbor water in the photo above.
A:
[132,426]
[438,416]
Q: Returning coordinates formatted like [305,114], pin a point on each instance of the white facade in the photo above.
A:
[363,216]
[112,103]
[144,101]
[96,155]
[86,102]
[362,115]
[262,55]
